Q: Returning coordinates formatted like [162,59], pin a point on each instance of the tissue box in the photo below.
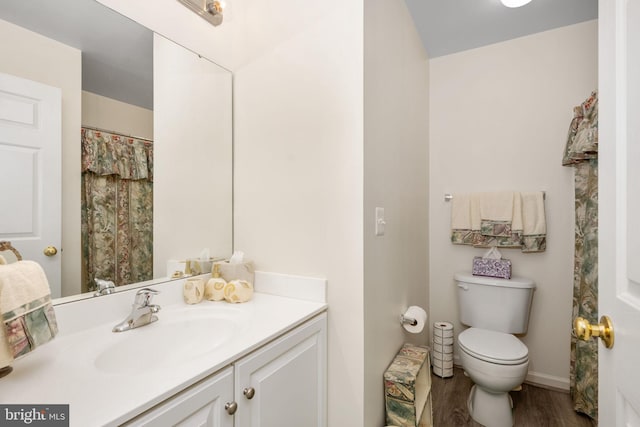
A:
[500,268]
[238,271]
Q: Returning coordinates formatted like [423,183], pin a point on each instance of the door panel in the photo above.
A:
[30,154]
[21,164]
[619,209]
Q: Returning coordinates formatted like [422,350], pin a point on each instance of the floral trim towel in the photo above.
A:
[502,219]
[26,311]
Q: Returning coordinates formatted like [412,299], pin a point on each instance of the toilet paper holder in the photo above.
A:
[407,320]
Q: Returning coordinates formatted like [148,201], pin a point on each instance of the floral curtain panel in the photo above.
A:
[117,208]
[581,153]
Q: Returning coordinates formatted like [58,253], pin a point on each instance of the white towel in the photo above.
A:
[476,219]
[533,219]
[516,222]
[20,283]
[465,211]
[25,306]
[497,206]
[461,211]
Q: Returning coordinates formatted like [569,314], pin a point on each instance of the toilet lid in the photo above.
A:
[493,347]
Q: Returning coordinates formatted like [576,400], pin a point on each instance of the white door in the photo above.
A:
[619,212]
[30,171]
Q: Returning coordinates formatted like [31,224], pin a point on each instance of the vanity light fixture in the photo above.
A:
[514,3]
[211,10]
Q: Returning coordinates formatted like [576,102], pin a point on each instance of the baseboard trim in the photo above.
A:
[551,382]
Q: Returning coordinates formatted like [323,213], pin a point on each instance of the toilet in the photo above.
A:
[494,359]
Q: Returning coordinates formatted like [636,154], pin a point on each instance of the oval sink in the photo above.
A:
[178,336]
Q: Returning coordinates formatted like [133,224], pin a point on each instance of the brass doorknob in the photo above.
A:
[50,251]
[604,330]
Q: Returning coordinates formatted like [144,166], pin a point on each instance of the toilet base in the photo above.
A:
[490,409]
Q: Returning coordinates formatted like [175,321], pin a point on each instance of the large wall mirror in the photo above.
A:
[118,83]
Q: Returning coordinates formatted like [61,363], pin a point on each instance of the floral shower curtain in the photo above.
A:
[117,208]
[581,152]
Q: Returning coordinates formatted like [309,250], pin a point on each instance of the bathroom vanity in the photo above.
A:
[277,385]
[261,363]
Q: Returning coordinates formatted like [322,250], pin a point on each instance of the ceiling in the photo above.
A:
[449,26]
[117,53]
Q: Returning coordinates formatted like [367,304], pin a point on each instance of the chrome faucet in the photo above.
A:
[105,287]
[142,312]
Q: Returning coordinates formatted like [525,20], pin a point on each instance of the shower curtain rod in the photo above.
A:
[449,197]
[117,133]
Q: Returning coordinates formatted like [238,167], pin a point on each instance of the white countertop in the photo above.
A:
[64,371]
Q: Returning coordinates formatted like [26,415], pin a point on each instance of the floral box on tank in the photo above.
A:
[500,268]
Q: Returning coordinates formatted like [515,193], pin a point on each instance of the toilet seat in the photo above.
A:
[494,347]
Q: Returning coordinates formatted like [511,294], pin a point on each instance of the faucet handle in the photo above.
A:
[105,287]
[144,296]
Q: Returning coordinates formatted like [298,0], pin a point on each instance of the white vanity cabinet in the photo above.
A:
[202,404]
[281,384]
[284,383]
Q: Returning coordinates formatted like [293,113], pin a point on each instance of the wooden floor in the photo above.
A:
[533,406]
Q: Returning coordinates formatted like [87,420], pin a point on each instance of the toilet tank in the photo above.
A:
[501,305]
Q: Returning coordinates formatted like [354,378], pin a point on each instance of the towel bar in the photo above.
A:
[449,197]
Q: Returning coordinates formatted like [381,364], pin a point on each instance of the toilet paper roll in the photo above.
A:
[442,334]
[440,340]
[418,313]
[441,348]
[445,357]
[443,329]
[442,364]
[443,372]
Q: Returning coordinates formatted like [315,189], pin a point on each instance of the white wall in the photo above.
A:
[34,57]
[298,120]
[499,117]
[396,178]
[109,114]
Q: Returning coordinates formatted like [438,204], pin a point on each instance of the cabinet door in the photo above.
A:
[285,381]
[202,404]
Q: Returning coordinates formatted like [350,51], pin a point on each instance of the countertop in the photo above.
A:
[65,370]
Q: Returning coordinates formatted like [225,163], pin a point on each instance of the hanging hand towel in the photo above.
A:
[499,226]
[461,219]
[534,234]
[25,307]
[465,219]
